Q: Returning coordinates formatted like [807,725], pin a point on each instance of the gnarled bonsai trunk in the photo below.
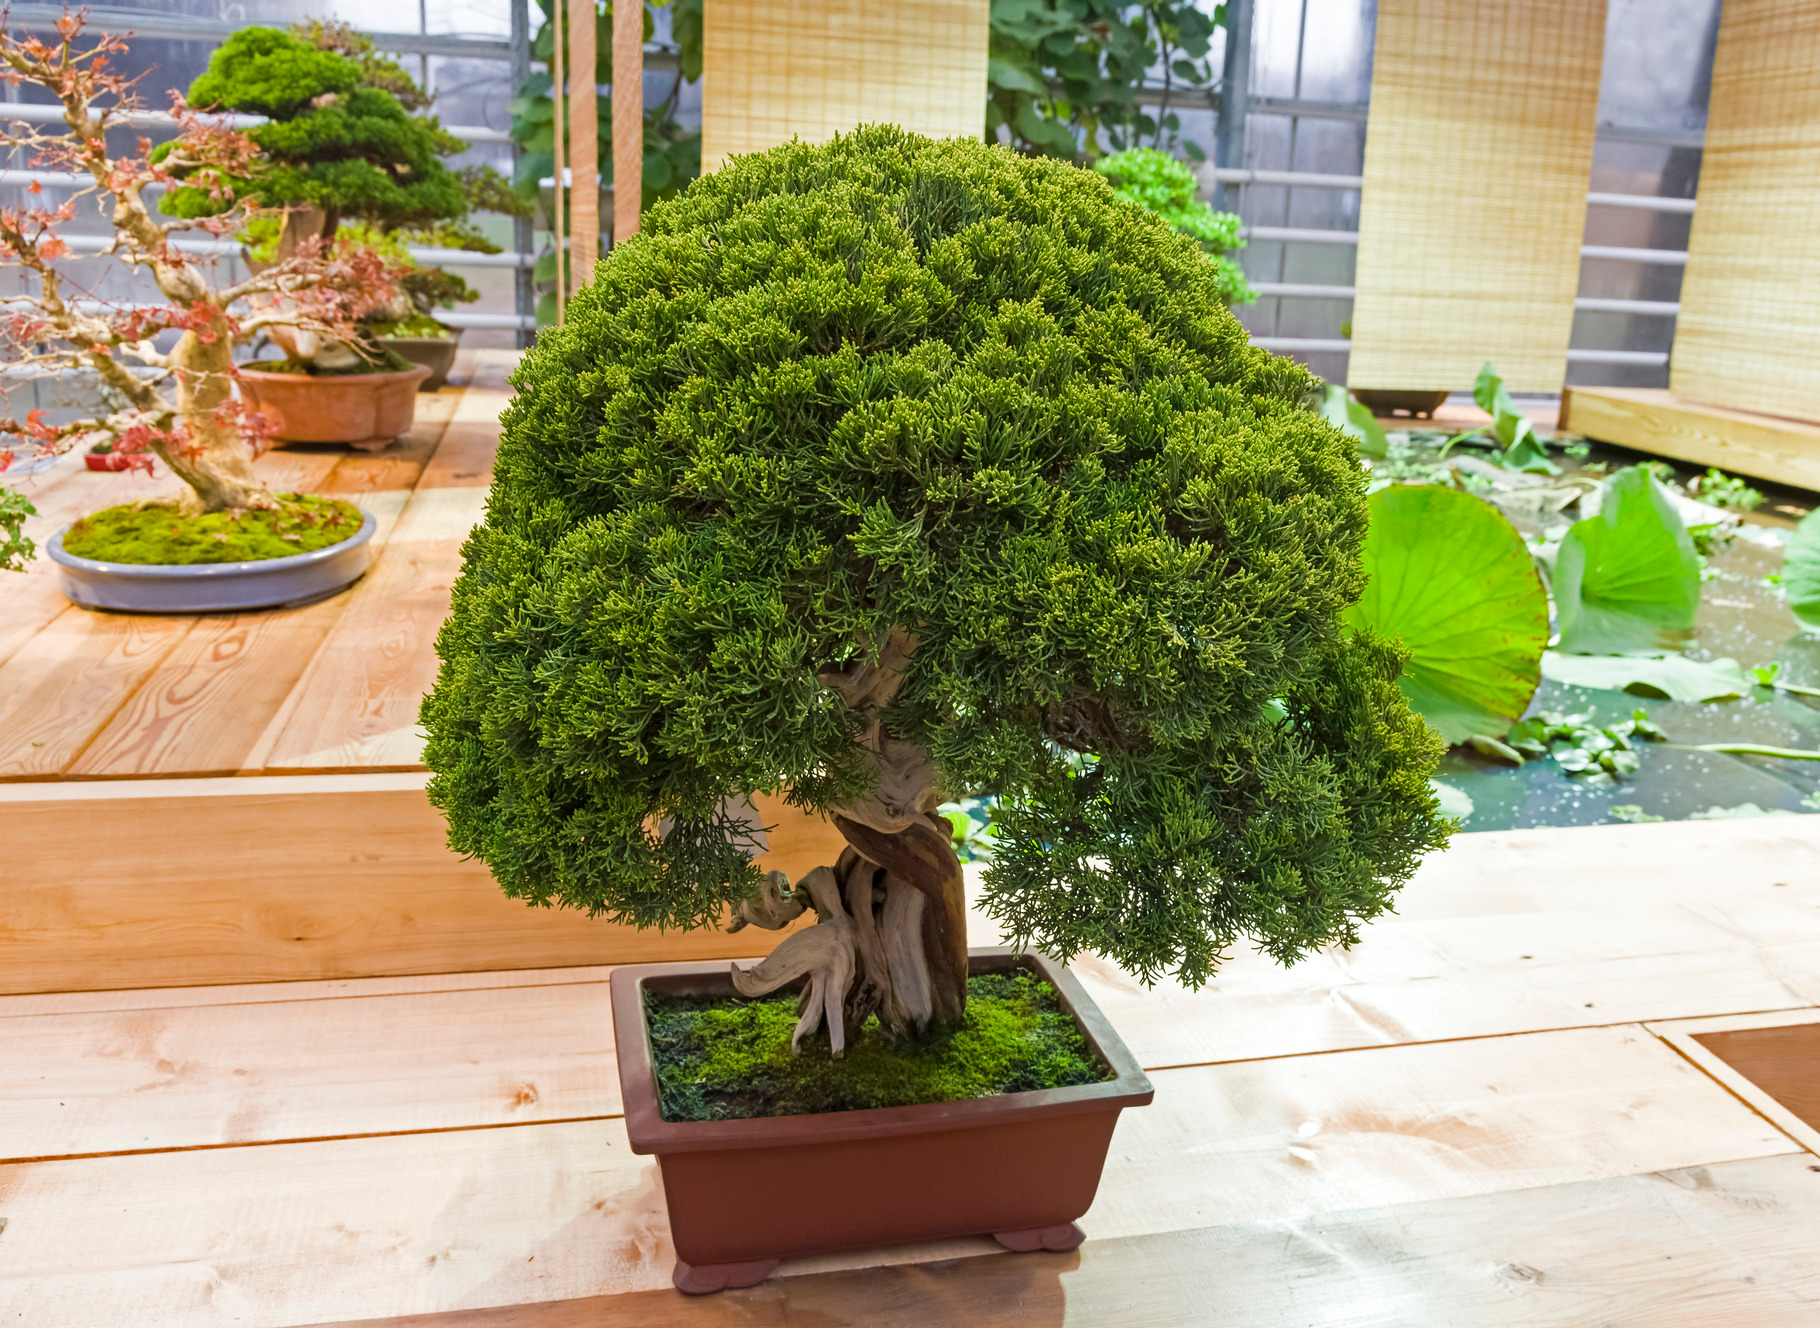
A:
[209,453]
[891,938]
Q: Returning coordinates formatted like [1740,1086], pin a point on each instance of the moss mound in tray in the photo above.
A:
[724,1058]
[158,534]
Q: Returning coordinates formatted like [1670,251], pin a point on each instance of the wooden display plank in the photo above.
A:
[302,878]
[1703,1041]
[64,685]
[355,707]
[1727,1244]
[267,1071]
[357,703]
[420,1223]
[1764,447]
[1277,1139]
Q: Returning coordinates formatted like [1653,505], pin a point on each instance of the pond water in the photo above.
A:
[1743,617]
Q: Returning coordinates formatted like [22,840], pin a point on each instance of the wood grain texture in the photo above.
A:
[470,1218]
[63,686]
[1764,447]
[277,1070]
[1476,171]
[1799,1119]
[355,705]
[1285,1138]
[357,702]
[337,876]
[773,70]
[628,121]
[584,144]
[1747,336]
[1694,1248]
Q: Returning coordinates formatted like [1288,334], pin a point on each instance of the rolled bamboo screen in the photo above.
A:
[1749,331]
[1477,161]
[773,70]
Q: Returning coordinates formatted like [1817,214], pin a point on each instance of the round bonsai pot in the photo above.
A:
[362,410]
[1382,402]
[1020,1167]
[105,460]
[437,354]
[214,587]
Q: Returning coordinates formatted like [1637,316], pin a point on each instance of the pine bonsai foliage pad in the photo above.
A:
[889,384]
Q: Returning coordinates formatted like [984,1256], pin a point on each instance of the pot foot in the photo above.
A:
[1067,1236]
[705,1279]
[371,444]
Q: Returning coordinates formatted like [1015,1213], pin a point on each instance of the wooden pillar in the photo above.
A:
[628,117]
[559,140]
[584,144]
[1477,160]
[773,70]
[1749,332]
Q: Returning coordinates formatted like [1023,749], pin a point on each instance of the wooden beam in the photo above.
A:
[1764,447]
[628,119]
[153,883]
[1476,172]
[584,142]
[1747,336]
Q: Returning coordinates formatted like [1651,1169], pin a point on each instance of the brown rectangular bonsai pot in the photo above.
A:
[743,1194]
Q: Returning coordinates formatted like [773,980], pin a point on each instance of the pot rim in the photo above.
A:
[375,379]
[210,571]
[649,1132]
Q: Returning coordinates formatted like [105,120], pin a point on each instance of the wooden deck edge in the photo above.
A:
[1766,447]
[196,882]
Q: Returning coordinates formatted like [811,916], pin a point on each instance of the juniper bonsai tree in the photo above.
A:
[888,468]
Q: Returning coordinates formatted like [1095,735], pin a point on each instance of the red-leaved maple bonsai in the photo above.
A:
[176,404]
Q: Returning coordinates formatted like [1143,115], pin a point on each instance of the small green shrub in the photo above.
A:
[729,1059]
[1159,182]
[157,533]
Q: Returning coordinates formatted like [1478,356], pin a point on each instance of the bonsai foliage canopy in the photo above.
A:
[889,469]
[335,142]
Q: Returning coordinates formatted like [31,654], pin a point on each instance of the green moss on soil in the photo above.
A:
[157,533]
[723,1058]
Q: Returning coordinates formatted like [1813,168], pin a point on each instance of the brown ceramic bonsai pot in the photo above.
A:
[1020,1167]
[435,353]
[362,410]
[1388,402]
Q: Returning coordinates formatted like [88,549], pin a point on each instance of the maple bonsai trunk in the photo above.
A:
[891,932]
[209,454]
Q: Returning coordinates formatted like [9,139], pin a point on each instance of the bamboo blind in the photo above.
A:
[1749,331]
[1477,161]
[773,70]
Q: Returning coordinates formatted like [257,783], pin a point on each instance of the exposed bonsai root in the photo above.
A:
[823,953]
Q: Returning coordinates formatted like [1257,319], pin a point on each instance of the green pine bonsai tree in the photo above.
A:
[336,143]
[889,469]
